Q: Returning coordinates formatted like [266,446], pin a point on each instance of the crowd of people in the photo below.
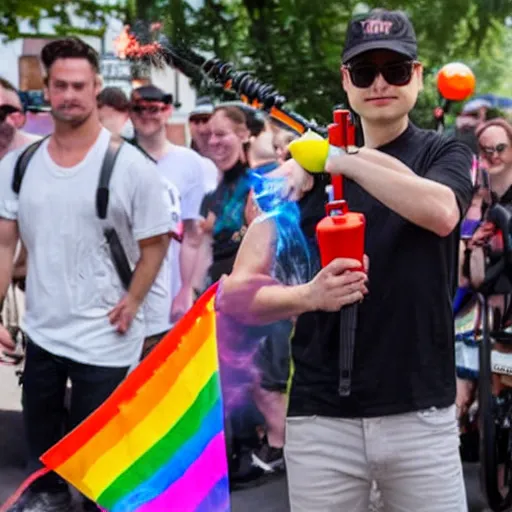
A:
[183,218]
[180,214]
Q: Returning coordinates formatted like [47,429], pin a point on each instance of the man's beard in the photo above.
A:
[73,122]
[7,133]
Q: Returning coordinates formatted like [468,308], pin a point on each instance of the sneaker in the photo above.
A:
[243,473]
[268,458]
[43,502]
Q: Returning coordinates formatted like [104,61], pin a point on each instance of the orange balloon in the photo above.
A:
[456,81]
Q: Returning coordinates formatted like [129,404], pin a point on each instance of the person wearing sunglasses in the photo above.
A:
[495,147]
[199,125]
[398,424]
[200,133]
[12,137]
[12,120]
[151,108]
[473,114]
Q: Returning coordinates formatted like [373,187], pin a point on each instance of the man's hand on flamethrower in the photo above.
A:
[338,284]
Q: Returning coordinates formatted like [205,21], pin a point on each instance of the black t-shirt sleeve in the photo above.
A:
[206,205]
[452,167]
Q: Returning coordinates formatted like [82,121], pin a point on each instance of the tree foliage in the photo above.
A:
[59,13]
[295,44]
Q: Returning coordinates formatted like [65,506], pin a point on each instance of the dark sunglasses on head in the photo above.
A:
[489,150]
[363,74]
[150,109]
[7,110]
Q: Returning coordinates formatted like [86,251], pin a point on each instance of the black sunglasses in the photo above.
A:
[140,109]
[489,150]
[363,74]
[199,119]
[7,110]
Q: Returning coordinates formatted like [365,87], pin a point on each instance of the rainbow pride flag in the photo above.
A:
[157,444]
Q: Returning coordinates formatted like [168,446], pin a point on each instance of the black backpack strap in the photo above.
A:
[134,143]
[117,251]
[119,257]
[107,168]
[22,164]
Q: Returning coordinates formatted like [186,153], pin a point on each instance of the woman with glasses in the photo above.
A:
[495,147]
[228,211]
[479,247]
[494,143]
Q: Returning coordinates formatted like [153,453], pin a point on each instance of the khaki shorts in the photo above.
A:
[414,458]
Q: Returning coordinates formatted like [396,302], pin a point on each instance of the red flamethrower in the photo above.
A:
[341,235]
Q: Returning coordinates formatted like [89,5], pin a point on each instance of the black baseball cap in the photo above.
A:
[151,93]
[204,108]
[380,30]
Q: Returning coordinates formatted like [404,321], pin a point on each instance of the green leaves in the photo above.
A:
[59,13]
[295,44]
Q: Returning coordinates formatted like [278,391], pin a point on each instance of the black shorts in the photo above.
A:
[273,357]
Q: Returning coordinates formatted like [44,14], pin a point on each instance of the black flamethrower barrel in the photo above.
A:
[348,326]
[242,83]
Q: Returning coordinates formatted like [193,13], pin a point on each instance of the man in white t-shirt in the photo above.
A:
[157,307]
[12,120]
[81,323]
[150,110]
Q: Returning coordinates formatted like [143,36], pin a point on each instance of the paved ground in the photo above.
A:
[271,497]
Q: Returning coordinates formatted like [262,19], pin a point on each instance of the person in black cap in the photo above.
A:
[151,108]
[200,130]
[398,424]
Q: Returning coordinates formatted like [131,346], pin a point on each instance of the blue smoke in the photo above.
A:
[293,259]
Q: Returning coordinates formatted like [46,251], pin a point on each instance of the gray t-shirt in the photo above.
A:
[72,284]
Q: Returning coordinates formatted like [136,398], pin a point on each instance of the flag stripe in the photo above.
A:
[204,418]
[158,442]
[195,318]
[195,485]
[177,465]
[148,397]
[155,425]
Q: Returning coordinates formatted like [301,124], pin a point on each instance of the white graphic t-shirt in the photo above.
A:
[157,307]
[72,284]
[186,169]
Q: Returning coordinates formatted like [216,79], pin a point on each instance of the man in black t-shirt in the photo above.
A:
[398,425]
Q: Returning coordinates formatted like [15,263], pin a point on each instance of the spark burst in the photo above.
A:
[128,47]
